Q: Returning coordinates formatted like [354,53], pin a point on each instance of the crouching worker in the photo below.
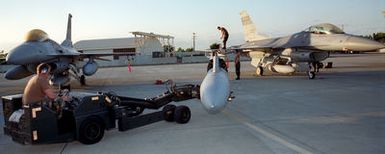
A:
[38,89]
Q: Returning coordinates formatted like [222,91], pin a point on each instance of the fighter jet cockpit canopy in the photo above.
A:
[325,28]
[36,35]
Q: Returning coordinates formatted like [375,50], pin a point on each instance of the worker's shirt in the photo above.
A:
[34,91]
[224,32]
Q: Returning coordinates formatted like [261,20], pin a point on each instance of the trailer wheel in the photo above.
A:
[168,112]
[91,131]
[182,114]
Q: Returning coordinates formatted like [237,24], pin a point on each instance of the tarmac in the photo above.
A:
[341,111]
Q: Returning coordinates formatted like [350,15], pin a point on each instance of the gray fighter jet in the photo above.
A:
[296,52]
[63,58]
[2,57]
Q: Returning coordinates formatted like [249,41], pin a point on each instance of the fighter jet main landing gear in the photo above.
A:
[313,68]
[82,80]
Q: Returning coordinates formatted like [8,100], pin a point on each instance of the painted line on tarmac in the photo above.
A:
[269,135]
[277,139]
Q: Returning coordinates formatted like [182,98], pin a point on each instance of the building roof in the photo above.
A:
[113,43]
[153,35]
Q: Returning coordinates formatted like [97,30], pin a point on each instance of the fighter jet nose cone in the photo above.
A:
[12,57]
[356,43]
[17,55]
[24,54]
[215,109]
[381,46]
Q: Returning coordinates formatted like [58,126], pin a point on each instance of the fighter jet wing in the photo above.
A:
[103,54]
[81,56]
[250,48]
[256,47]
[99,55]
[266,45]
[220,51]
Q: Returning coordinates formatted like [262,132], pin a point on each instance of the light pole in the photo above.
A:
[194,37]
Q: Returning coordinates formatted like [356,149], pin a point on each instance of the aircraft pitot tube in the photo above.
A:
[215,88]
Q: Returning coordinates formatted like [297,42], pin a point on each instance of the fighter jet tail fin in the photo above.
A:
[249,28]
[68,41]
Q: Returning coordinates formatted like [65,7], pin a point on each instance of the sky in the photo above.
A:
[97,19]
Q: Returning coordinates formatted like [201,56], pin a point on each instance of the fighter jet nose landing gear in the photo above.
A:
[311,74]
[259,71]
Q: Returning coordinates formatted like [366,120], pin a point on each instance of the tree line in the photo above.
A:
[379,36]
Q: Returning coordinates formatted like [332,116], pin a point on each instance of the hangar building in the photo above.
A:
[142,48]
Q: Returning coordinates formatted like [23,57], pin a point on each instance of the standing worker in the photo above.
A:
[224,35]
[237,62]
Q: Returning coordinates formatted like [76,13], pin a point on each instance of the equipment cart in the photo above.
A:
[88,115]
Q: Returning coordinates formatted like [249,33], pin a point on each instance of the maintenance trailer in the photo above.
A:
[88,115]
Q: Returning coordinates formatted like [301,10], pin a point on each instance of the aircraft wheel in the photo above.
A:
[168,112]
[82,80]
[91,131]
[259,71]
[311,74]
[182,114]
